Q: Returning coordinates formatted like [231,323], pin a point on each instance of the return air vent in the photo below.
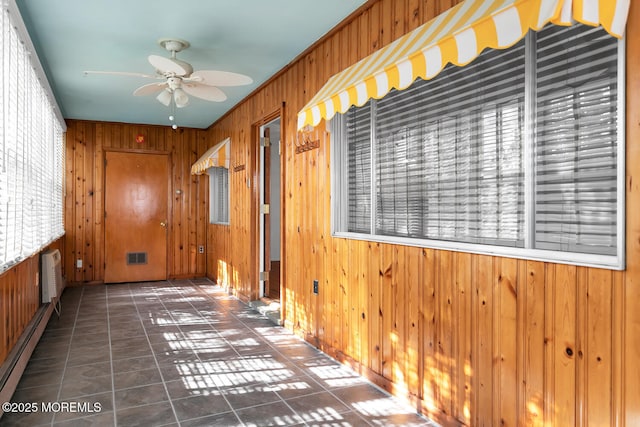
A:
[134,258]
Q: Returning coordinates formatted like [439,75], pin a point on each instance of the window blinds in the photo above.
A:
[448,155]
[517,149]
[576,141]
[359,158]
[31,155]
[219,194]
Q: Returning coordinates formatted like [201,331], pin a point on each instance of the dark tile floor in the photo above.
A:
[184,353]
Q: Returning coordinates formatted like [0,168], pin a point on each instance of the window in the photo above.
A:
[519,153]
[31,152]
[218,195]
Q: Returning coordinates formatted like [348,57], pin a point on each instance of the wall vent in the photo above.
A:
[134,258]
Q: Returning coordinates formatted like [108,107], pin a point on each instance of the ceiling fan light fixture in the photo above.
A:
[164,97]
[180,98]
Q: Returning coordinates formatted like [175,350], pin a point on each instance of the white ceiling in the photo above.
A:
[252,37]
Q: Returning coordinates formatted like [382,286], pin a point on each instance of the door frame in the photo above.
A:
[264,197]
[256,237]
[169,202]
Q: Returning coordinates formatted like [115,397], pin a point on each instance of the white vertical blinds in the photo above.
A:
[452,159]
[31,154]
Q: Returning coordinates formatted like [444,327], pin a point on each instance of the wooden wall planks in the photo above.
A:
[625,337]
[233,271]
[19,301]
[470,339]
[498,341]
[86,143]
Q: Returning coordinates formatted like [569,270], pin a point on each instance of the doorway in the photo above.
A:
[136,216]
[270,177]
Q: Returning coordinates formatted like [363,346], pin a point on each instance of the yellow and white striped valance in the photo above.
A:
[218,155]
[456,36]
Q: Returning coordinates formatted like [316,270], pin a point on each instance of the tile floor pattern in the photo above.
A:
[184,353]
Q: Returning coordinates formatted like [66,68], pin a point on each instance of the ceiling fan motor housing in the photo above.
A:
[174,83]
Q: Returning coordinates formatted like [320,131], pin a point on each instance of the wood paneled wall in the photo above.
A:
[470,339]
[86,143]
[19,301]
[230,253]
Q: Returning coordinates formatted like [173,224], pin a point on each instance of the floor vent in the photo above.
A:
[134,258]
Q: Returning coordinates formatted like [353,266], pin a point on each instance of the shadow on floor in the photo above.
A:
[185,353]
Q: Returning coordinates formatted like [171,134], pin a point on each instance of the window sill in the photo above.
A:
[578,259]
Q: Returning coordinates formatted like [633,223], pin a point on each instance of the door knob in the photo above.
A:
[163,224]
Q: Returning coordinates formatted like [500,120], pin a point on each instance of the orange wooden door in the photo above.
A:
[136,205]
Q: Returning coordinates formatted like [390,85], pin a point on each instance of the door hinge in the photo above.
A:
[264,275]
[265,141]
[264,208]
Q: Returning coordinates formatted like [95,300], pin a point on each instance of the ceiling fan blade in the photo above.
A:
[124,73]
[150,89]
[220,78]
[169,65]
[208,93]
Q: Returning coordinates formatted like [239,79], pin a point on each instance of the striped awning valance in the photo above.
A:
[218,155]
[456,36]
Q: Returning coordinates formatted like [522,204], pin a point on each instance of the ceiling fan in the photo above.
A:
[178,80]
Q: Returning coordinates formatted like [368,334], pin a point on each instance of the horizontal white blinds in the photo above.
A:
[31,155]
[576,141]
[219,194]
[517,149]
[358,128]
[448,153]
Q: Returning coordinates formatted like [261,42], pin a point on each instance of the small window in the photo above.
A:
[520,153]
[218,195]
